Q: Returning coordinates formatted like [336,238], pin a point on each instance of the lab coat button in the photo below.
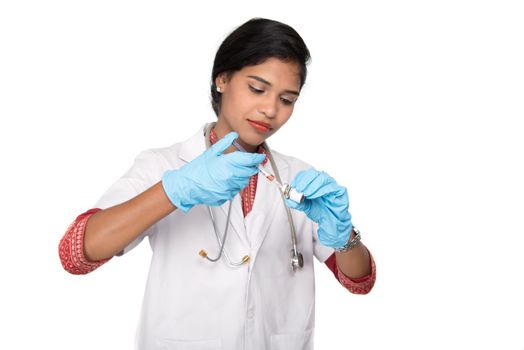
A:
[251,313]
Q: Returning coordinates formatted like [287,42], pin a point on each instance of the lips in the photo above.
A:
[262,124]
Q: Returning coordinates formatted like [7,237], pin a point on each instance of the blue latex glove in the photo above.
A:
[326,203]
[212,178]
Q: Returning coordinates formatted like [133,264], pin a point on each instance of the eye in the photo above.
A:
[287,101]
[255,90]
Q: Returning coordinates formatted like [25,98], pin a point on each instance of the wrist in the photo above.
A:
[170,182]
[353,241]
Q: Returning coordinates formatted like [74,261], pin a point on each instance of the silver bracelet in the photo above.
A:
[352,243]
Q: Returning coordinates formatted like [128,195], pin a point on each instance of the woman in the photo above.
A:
[180,196]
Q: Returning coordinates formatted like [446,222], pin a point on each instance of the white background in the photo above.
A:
[415,106]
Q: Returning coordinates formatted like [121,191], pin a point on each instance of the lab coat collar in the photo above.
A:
[193,147]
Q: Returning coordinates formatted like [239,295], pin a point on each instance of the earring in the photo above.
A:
[219,90]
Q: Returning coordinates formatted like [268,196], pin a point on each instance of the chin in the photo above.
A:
[251,140]
[256,140]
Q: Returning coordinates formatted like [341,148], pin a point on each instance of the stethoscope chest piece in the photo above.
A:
[297,260]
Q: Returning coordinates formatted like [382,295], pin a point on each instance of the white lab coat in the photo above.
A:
[192,303]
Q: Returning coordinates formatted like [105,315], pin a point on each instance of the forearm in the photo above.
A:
[354,263]
[109,231]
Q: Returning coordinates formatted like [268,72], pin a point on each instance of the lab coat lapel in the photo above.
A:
[191,149]
[268,203]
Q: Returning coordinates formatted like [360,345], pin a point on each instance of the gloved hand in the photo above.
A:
[212,178]
[326,203]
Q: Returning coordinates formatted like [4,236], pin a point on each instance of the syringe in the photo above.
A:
[286,189]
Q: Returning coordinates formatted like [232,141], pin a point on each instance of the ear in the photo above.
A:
[221,81]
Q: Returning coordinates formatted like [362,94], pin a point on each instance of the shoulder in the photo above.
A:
[169,154]
[155,161]
[175,155]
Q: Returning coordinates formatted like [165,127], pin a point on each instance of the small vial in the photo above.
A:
[291,193]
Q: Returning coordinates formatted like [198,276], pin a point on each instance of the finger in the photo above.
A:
[295,205]
[314,184]
[238,184]
[322,185]
[244,158]
[337,208]
[217,197]
[242,175]
[303,178]
[221,145]
[242,171]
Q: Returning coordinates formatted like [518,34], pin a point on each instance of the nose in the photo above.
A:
[268,106]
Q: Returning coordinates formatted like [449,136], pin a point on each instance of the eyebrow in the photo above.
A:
[263,81]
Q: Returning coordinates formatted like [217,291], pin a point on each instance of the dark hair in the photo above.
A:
[254,42]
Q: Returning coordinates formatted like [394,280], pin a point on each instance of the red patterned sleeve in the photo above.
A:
[71,247]
[361,285]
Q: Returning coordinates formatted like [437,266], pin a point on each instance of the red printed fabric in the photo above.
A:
[71,247]
[357,286]
[362,285]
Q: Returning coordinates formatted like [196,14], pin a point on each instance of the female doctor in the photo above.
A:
[252,285]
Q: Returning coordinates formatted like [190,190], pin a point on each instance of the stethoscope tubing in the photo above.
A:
[222,242]
[297,260]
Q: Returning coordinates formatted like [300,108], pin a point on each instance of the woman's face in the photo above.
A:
[257,101]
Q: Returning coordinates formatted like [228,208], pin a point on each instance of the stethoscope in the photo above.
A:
[297,260]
